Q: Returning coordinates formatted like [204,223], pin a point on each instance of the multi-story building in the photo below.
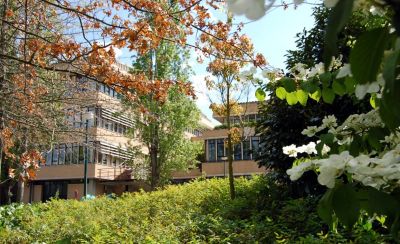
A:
[214,163]
[99,137]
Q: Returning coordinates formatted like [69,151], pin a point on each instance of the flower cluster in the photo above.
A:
[354,124]
[301,72]
[380,172]
[309,149]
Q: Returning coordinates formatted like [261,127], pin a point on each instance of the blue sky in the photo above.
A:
[272,36]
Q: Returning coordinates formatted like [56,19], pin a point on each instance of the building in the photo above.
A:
[99,137]
[214,162]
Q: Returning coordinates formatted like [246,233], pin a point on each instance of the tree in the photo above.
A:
[161,128]
[32,44]
[281,125]
[228,82]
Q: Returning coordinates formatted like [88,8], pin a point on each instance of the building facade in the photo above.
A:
[214,162]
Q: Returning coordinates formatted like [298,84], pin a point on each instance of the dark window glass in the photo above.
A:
[48,158]
[61,156]
[68,154]
[237,151]
[254,146]
[81,154]
[211,150]
[246,150]
[75,154]
[220,149]
[57,189]
[55,156]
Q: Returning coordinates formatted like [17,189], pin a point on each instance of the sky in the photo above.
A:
[272,36]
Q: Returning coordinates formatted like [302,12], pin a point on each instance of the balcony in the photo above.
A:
[114,173]
[75,171]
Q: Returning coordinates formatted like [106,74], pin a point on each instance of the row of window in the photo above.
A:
[77,120]
[75,153]
[195,132]
[245,118]
[86,84]
[246,150]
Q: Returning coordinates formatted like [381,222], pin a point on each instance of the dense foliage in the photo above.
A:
[198,212]
[281,124]
[160,127]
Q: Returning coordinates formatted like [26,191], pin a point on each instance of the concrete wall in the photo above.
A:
[246,167]
[76,171]
[72,188]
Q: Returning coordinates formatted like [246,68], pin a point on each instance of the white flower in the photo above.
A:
[344,71]
[296,172]
[318,69]
[290,150]
[329,121]
[325,149]
[327,176]
[330,3]
[362,90]
[310,131]
[252,9]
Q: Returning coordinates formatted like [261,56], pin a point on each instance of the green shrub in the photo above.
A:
[198,212]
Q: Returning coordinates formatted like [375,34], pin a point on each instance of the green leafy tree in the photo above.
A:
[161,124]
[282,124]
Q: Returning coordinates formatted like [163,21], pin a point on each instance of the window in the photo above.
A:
[48,158]
[220,149]
[246,150]
[254,146]
[81,154]
[55,156]
[68,154]
[75,154]
[237,152]
[61,156]
[211,150]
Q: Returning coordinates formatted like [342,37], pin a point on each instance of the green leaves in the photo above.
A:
[302,97]
[328,95]
[338,87]
[336,21]
[281,93]
[345,201]
[316,95]
[291,98]
[346,205]
[260,94]
[288,84]
[389,110]
[366,56]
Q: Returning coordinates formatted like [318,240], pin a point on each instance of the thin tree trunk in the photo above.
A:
[230,151]
[20,191]
[2,79]
[155,167]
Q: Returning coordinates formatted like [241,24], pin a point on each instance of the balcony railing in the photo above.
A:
[115,173]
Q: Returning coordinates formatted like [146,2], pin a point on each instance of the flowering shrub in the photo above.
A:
[362,166]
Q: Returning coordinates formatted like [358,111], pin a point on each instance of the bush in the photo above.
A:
[198,212]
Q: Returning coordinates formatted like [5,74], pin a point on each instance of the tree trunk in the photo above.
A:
[20,191]
[155,167]
[2,77]
[230,151]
